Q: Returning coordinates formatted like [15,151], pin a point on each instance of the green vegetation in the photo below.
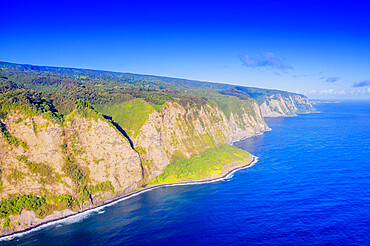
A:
[130,115]
[3,115]
[1,180]
[230,102]
[12,141]
[43,206]
[52,106]
[110,88]
[15,175]
[15,205]
[201,166]
[127,99]
[140,150]
[81,180]
[45,171]
[104,186]
[7,224]
[28,102]
[6,85]
[78,176]
[85,110]
[57,203]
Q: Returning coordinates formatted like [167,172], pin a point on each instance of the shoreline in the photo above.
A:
[125,197]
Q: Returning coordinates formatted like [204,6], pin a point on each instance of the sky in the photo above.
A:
[318,48]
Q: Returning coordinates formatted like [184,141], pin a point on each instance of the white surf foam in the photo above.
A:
[85,214]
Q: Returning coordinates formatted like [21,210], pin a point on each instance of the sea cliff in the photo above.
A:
[280,105]
[82,160]
[72,139]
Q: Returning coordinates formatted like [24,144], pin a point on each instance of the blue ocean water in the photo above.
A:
[310,186]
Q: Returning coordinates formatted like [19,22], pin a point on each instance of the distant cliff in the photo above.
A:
[275,103]
[291,105]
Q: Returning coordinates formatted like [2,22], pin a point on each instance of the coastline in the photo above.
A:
[125,196]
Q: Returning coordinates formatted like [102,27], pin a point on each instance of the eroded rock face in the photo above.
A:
[104,152]
[98,148]
[36,164]
[43,139]
[278,105]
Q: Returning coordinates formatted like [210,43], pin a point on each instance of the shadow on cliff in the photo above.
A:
[119,128]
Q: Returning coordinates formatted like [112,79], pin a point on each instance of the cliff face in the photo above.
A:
[41,157]
[39,166]
[178,132]
[91,161]
[285,105]
[42,140]
[72,166]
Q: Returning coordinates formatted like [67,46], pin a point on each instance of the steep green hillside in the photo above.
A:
[130,115]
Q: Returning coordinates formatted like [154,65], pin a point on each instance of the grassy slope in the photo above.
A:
[130,115]
[201,166]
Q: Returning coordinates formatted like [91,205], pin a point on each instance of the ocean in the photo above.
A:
[310,186]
